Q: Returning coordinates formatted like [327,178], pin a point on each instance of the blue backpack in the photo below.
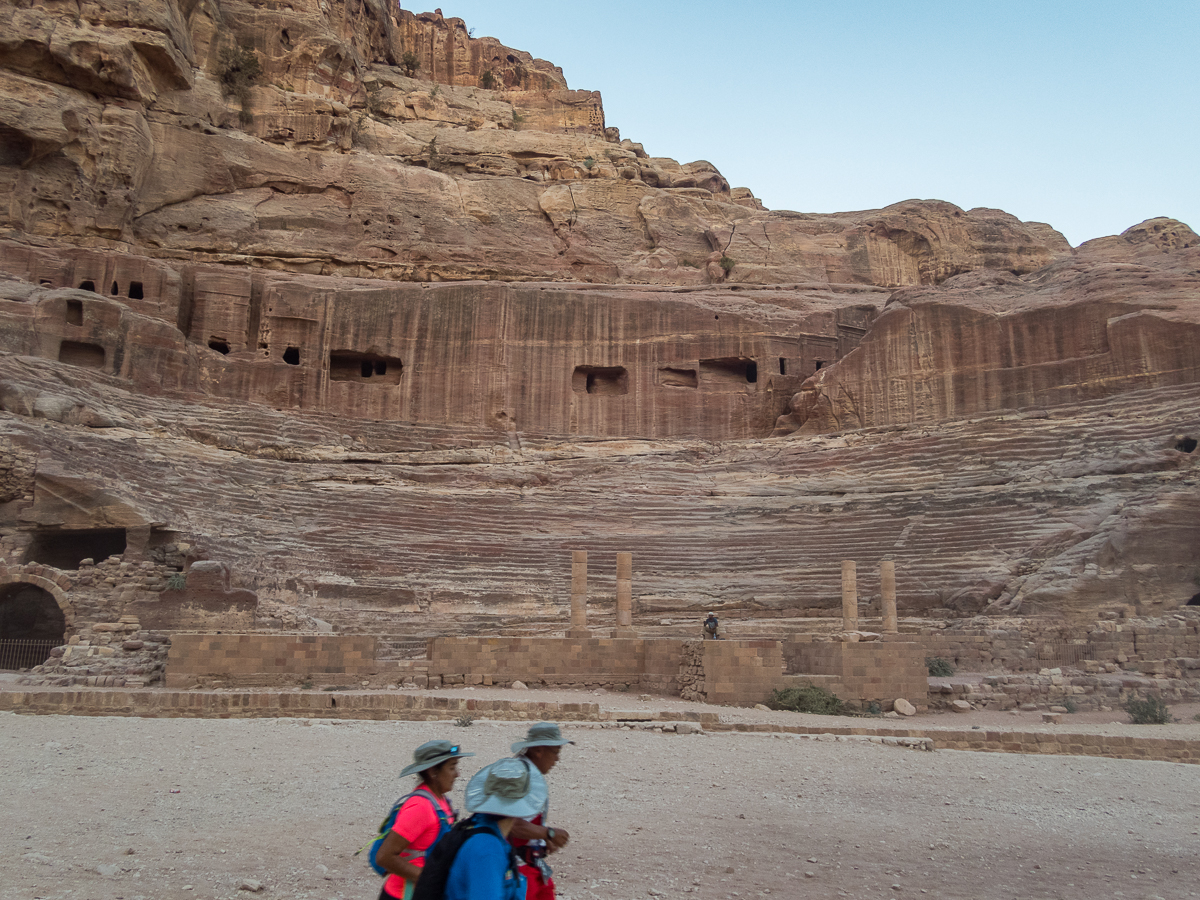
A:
[444,825]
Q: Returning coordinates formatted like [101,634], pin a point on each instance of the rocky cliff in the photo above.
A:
[388,318]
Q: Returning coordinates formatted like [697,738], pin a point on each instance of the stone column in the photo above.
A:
[849,595]
[579,563]
[625,596]
[887,591]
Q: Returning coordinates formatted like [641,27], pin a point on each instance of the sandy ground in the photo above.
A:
[141,809]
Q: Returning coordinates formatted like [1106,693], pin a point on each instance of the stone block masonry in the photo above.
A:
[196,659]
[621,663]
[878,671]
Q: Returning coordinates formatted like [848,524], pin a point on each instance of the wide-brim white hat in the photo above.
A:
[508,787]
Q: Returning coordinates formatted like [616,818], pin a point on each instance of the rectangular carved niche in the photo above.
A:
[74,353]
[600,380]
[669,376]
[728,372]
[369,368]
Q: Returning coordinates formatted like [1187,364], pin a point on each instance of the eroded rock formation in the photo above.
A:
[222,330]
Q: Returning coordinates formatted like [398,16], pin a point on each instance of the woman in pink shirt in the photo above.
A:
[423,818]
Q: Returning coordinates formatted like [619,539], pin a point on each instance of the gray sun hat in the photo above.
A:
[432,753]
[508,787]
[543,734]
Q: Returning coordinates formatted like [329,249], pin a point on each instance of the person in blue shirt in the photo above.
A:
[497,796]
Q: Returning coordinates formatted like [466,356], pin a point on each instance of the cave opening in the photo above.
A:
[135,290]
[291,356]
[221,347]
[66,549]
[350,365]
[731,370]
[31,625]
[1186,445]
[74,312]
[87,286]
[1195,601]
[75,353]
[608,380]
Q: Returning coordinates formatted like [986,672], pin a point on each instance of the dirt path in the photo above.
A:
[89,809]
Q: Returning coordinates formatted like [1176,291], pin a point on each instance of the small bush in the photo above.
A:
[938,667]
[487,80]
[410,64]
[306,684]
[1151,711]
[176,581]
[464,721]
[237,71]
[727,263]
[1070,705]
[808,698]
[589,163]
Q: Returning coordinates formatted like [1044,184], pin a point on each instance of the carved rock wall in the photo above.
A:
[1117,318]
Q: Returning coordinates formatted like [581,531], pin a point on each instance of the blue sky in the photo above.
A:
[1083,115]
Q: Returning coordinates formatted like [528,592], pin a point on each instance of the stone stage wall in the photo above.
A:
[879,671]
[267,659]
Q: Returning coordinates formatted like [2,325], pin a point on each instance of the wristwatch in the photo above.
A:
[549,834]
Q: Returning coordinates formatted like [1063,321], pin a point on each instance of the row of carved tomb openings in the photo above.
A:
[712,374]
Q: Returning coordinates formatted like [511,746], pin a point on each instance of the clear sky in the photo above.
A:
[1085,115]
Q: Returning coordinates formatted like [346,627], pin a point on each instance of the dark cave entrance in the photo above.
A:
[1195,601]
[66,549]
[31,625]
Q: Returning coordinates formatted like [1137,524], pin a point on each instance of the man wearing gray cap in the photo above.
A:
[532,837]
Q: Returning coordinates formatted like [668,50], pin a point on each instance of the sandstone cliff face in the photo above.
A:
[222,326]
[1121,315]
[127,130]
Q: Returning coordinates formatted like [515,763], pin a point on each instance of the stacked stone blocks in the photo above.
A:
[232,658]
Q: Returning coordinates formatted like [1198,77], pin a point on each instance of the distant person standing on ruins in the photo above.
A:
[710,626]
[423,817]
[533,838]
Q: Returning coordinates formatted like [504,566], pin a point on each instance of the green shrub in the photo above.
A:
[410,64]
[306,684]
[727,263]
[487,80]
[938,667]
[1070,705]
[588,163]
[807,698]
[237,71]
[176,581]
[1151,711]
[464,721]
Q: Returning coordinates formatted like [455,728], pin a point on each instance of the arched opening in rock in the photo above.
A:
[291,356]
[74,312]
[31,625]
[1187,445]
[135,290]
[1195,601]
[782,366]
[600,380]
[66,549]
[820,363]
[74,353]
[116,289]
[221,347]
[87,286]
